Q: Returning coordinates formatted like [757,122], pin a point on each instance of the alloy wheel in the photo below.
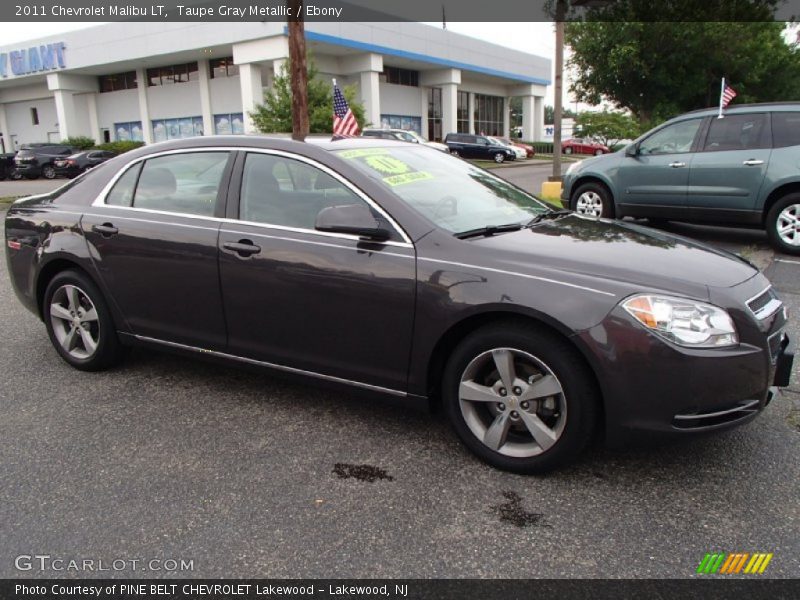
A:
[589,203]
[498,158]
[49,172]
[788,225]
[75,321]
[512,402]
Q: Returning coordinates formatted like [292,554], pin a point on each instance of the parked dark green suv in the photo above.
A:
[743,169]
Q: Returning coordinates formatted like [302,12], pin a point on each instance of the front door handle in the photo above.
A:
[242,247]
[677,165]
[752,162]
[106,229]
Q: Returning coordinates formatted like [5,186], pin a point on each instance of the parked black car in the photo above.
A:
[74,165]
[7,166]
[401,270]
[34,160]
[477,146]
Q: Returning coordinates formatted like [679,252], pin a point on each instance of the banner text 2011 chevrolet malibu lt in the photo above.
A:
[405,271]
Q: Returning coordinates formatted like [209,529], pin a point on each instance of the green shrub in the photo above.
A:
[81,142]
[121,146]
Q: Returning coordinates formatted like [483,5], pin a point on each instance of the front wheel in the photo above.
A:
[454,152]
[48,172]
[520,398]
[783,224]
[499,157]
[598,152]
[79,323]
[568,150]
[593,200]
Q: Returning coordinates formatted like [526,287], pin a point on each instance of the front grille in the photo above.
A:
[774,342]
[702,420]
[765,304]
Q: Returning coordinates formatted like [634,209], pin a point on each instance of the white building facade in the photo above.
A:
[158,81]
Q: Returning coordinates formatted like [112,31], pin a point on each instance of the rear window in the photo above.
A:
[785,129]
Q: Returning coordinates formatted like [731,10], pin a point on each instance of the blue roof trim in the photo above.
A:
[339,41]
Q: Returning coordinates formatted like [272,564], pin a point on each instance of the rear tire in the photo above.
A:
[48,172]
[783,224]
[545,419]
[79,323]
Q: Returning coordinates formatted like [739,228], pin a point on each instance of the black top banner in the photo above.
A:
[398,10]
[716,588]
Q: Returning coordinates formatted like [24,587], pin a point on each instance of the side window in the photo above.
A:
[672,139]
[183,183]
[737,132]
[122,192]
[281,191]
[785,129]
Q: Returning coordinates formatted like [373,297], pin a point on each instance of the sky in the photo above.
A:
[534,38]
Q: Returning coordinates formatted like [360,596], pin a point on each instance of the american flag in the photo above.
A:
[344,122]
[728,94]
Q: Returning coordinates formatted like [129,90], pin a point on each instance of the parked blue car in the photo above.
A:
[743,169]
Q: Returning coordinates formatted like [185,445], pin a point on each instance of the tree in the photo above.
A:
[549,113]
[607,127]
[275,114]
[674,62]
[298,71]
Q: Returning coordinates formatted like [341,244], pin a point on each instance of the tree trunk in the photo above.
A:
[561,11]
[298,70]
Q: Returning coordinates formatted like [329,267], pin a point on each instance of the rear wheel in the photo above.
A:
[48,172]
[783,224]
[594,200]
[520,398]
[454,152]
[79,323]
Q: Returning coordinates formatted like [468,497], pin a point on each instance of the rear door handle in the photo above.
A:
[106,229]
[677,165]
[752,162]
[242,247]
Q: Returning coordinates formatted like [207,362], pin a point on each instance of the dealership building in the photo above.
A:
[159,81]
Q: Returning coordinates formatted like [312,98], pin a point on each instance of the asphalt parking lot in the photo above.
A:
[236,471]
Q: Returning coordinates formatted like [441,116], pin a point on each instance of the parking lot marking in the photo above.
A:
[786,260]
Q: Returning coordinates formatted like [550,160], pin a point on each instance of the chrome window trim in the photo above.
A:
[100,201]
[263,363]
[516,274]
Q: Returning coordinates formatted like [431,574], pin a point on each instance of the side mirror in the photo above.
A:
[352,219]
[632,150]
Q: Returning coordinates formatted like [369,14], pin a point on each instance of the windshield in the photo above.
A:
[418,137]
[452,193]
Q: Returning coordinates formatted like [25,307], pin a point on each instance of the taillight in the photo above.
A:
[14,245]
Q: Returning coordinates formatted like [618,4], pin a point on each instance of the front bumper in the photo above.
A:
[652,388]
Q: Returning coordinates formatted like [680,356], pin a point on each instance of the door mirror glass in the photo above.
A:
[353,219]
[632,150]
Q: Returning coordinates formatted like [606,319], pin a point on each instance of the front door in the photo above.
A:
[325,303]
[654,182]
[154,240]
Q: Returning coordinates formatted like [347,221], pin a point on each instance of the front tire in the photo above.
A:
[568,150]
[783,224]
[598,152]
[594,200]
[79,323]
[499,157]
[520,398]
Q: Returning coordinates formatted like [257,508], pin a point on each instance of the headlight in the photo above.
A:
[684,322]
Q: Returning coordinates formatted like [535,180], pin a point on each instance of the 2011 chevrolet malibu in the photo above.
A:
[404,271]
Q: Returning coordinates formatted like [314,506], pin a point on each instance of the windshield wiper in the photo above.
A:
[551,214]
[488,230]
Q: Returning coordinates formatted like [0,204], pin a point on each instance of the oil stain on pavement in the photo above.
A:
[512,512]
[360,472]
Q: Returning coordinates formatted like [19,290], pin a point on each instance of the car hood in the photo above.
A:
[624,252]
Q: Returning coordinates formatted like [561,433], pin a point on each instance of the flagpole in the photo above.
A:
[721,95]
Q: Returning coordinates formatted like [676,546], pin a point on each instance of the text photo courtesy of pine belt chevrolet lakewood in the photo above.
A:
[402,270]
[739,169]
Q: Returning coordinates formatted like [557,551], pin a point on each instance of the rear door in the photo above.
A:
[655,181]
[325,303]
[727,172]
[154,240]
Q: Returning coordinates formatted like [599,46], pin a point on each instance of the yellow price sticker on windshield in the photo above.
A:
[407,178]
[387,164]
[363,152]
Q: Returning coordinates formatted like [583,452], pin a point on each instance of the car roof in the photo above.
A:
[746,108]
